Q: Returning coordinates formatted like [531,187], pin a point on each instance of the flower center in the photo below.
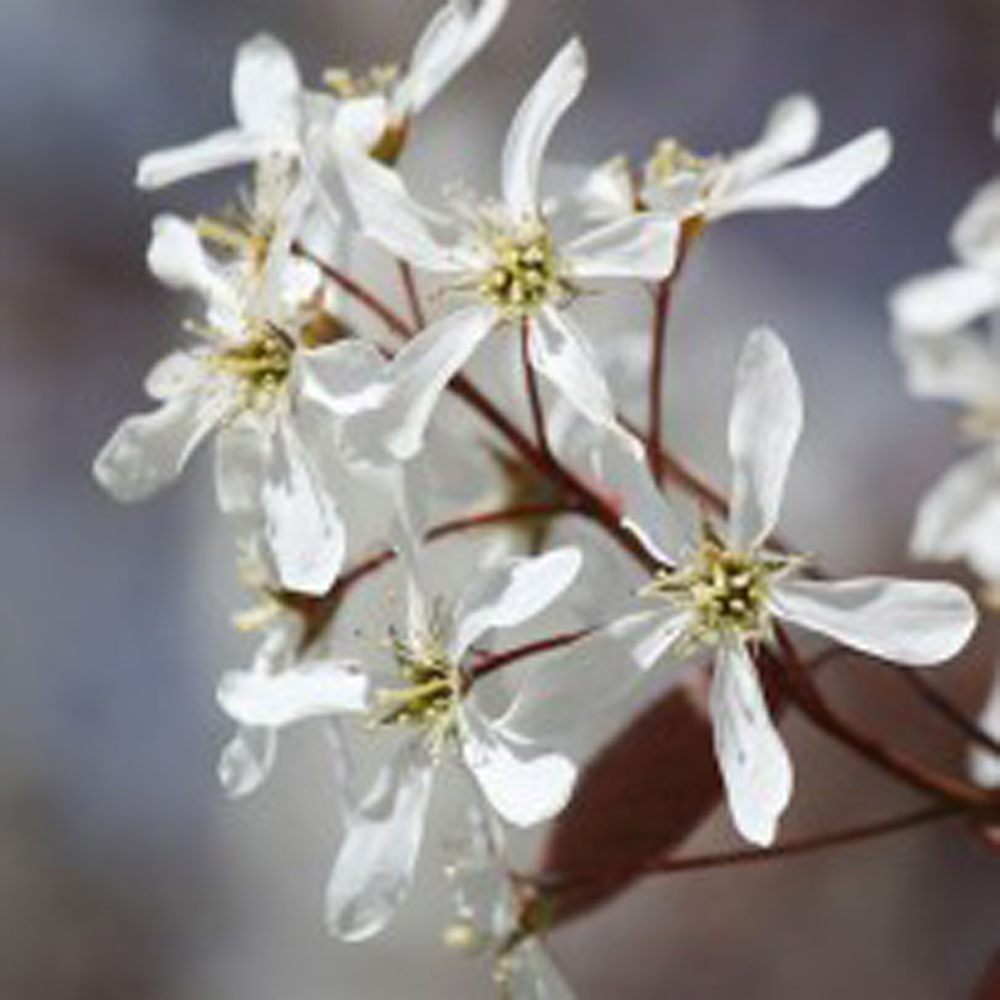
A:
[725,591]
[671,159]
[982,422]
[349,85]
[524,271]
[262,365]
[431,691]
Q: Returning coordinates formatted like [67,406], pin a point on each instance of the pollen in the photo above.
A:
[262,365]
[430,693]
[725,590]
[671,159]
[347,85]
[524,272]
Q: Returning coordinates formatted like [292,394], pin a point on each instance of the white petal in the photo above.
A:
[394,431]
[916,622]
[227,148]
[961,513]
[764,427]
[177,373]
[346,378]
[524,790]
[984,765]
[568,689]
[177,258]
[302,692]
[755,766]
[246,761]
[957,366]
[823,183]
[454,35]
[374,867]
[975,236]
[266,87]
[512,592]
[240,460]
[150,450]
[390,216]
[536,118]
[791,131]
[303,529]
[642,246]
[623,471]
[562,354]
[944,300]
[607,191]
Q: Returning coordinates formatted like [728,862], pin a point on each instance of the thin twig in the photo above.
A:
[661,312]
[412,294]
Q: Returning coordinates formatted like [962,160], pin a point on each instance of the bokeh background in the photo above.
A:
[124,875]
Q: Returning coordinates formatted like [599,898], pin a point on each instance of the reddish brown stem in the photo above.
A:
[808,845]
[412,294]
[497,661]
[661,313]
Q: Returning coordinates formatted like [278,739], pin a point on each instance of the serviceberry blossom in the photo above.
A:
[761,177]
[431,697]
[269,335]
[493,914]
[506,262]
[727,590]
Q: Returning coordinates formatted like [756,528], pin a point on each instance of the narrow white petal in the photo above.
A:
[791,131]
[957,366]
[523,786]
[304,691]
[823,183]
[607,191]
[177,258]
[452,38]
[916,622]
[642,246]
[389,215]
[536,118]
[241,456]
[944,300]
[227,148]
[975,237]
[561,353]
[266,87]
[623,471]
[246,761]
[177,373]
[511,593]
[150,450]
[764,426]
[303,528]
[984,766]
[754,763]
[346,378]
[567,690]
[961,513]
[394,431]
[374,867]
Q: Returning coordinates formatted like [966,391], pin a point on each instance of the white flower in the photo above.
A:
[373,111]
[489,916]
[267,344]
[726,592]
[271,119]
[950,298]
[431,697]
[292,676]
[508,263]
[758,178]
[984,765]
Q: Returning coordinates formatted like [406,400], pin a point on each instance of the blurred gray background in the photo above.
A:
[124,875]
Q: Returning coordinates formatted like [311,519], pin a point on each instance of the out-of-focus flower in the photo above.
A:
[726,591]
[507,261]
[490,914]
[431,697]
[761,177]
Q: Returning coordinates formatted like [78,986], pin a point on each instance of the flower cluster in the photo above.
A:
[352,436]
